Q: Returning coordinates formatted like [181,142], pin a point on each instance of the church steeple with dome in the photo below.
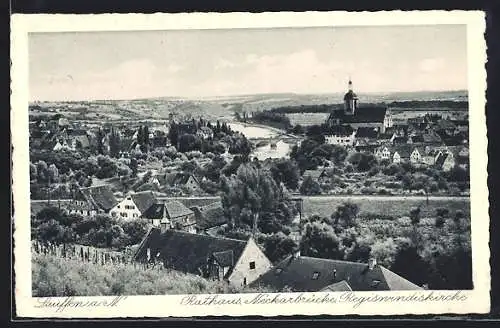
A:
[350,100]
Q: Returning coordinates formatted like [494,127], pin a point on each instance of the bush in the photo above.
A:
[440,221]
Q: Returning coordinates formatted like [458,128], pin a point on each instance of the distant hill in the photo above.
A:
[218,107]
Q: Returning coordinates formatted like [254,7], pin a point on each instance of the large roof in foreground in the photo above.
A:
[315,274]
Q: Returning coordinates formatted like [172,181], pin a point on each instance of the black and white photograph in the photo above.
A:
[321,159]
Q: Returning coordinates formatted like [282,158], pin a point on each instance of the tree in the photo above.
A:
[134,166]
[100,141]
[286,171]
[189,142]
[415,216]
[409,264]
[42,171]
[33,172]
[114,143]
[319,240]
[251,193]
[310,187]
[345,215]
[53,173]
[278,246]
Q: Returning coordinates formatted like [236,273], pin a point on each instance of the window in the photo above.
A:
[117,206]
[129,207]
[315,276]
[123,214]
[252,265]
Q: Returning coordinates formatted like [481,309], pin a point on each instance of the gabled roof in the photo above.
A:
[154,212]
[366,132]
[361,115]
[143,200]
[224,258]
[101,197]
[176,209]
[417,138]
[314,274]
[84,140]
[209,217]
[315,174]
[400,140]
[341,286]
[340,130]
[187,252]
[404,151]
[442,158]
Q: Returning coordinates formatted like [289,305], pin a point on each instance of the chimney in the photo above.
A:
[372,263]
[334,274]
[296,254]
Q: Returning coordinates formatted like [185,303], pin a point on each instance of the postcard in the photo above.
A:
[209,164]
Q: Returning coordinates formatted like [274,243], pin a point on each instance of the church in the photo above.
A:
[374,116]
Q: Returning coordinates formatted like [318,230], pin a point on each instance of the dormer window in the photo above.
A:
[315,276]
[278,271]
[375,283]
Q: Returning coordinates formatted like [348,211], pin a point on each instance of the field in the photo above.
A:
[306,119]
[385,205]
[53,276]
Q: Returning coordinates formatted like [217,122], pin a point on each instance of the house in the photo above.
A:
[340,135]
[416,156]
[186,180]
[430,156]
[378,117]
[445,161]
[205,133]
[366,133]
[365,146]
[235,261]
[419,138]
[171,215]
[309,274]
[92,200]
[401,154]
[382,153]
[134,205]
[209,218]
[399,140]
[61,144]
[63,122]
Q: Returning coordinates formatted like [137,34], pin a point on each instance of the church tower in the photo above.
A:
[350,100]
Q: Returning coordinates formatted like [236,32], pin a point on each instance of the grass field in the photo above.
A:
[385,206]
[53,276]
[306,119]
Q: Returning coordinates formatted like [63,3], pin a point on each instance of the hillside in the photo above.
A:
[215,107]
[53,276]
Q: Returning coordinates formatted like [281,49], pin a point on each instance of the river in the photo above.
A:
[282,149]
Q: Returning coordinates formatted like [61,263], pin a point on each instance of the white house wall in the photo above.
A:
[251,253]
[126,210]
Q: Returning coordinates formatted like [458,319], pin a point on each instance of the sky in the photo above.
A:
[205,63]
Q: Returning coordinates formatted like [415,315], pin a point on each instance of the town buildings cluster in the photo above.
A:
[182,237]
[426,140]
